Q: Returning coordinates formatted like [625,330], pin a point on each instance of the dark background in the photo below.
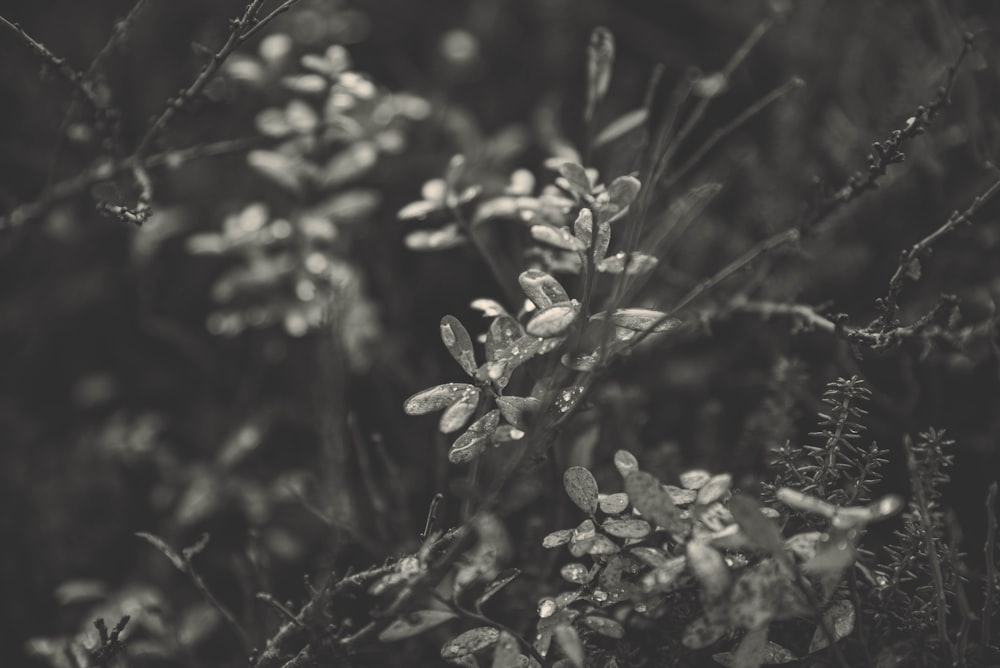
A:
[114,399]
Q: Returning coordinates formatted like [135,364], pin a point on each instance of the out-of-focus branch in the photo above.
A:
[105,170]
[60,66]
[243,28]
[909,260]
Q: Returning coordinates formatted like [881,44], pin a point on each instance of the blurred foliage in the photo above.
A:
[237,366]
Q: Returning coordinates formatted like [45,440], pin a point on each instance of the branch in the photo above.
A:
[243,29]
[909,260]
[886,152]
[108,170]
[75,78]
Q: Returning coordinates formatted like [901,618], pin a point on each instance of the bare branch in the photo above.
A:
[243,29]
[60,66]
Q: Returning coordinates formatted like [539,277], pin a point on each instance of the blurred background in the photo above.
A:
[186,377]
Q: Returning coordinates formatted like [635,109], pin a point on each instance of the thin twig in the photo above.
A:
[280,607]
[243,29]
[778,240]
[906,261]
[699,110]
[104,171]
[989,548]
[886,152]
[75,78]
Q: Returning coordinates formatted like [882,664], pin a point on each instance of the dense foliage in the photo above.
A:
[701,300]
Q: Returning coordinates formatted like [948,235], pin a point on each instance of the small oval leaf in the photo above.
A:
[627,528]
[436,398]
[458,342]
[542,288]
[470,642]
[553,321]
[606,627]
[518,410]
[581,487]
[559,237]
[649,497]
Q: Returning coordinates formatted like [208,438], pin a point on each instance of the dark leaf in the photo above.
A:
[470,642]
[459,343]
[648,496]
[600,60]
[761,530]
[553,321]
[517,410]
[581,487]
[542,288]
[436,398]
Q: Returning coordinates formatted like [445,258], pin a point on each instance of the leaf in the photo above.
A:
[542,288]
[167,551]
[576,179]
[612,504]
[627,528]
[569,642]
[602,545]
[762,531]
[695,479]
[557,538]
[436,398]
[621,126]
[600,60]
[839,619]
[498,583]
[630,263]
[605,626]
[804,503]
[649,497]
[503,331]
[348,207]
[458,342]
[575,572]
[626,463]
[559,237]
[470,642]
[516,354]
[418,210]
[715,489]
[348,165]
[913,269]
[681,497]
[516,410]
[709,568]
[456,415]
[583,228]
[467,447]
[507,654]
[442,238]
[490,307]
[415,623]
[284,170]
[553,320]
[581,487]
[641,319]
[622,192]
